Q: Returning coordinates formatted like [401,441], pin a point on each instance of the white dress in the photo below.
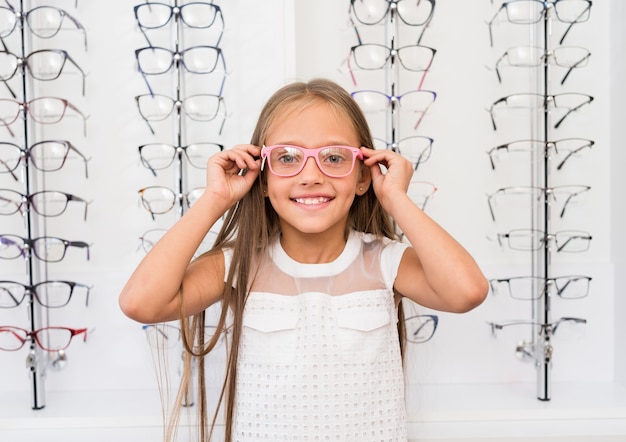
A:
[319,357]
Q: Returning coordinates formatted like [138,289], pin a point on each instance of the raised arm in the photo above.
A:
[151,293]
[436,272]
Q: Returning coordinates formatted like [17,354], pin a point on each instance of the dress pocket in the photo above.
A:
[269,336]
[363,335]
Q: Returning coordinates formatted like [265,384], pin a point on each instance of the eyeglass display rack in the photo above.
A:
[152,23]
[38,359]
[400,22]
[540,348]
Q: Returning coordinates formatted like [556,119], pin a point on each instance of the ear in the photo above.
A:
[364,181]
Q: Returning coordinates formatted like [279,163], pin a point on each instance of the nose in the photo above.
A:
[310,171]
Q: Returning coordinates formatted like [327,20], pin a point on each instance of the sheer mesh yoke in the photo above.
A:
[319,356]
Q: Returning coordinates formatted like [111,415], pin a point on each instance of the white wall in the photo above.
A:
[264,48]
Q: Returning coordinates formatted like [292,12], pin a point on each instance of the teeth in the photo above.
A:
[311,201]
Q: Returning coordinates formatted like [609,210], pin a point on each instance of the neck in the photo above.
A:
[313,248]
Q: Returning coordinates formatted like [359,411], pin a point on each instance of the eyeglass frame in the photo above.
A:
[393,54]
[178,60]
[178,15]
[28,242]
[429,318]
[545,329]
[308,153]
[547,144]
[34,334]
[547,98]
[180,197]
[392,9]
[574,234]
[22,63]
[547,283]
[547,191]
[180,104]
[26,154]
[545,56]
[32,291]
[23,17]
[393,99]
[25,108]
[546,6]
[28,201]
[394,146]
[162,327]
[177,150]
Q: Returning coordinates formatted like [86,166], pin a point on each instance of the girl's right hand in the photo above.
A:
[225,177]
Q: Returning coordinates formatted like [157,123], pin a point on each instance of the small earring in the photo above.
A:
[361,189]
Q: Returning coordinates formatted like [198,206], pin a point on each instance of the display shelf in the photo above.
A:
[435,412]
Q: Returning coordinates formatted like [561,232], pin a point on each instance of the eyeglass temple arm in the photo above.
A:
[578,63]
[88,289]
[71,60]
[83,116]
[574,109]
[567,319]
[78,26]
[573,23]
[494,326]
[569,198]
[4,123]
[8,292]
[79,331]
[80,244]
[6,83]
[75,198]
[9,170]
[572,153]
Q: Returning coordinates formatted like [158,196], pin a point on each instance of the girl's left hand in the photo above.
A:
[395,179]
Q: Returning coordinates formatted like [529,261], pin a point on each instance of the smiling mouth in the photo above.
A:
[312,201]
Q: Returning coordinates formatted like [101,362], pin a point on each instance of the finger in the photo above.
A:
[243,157]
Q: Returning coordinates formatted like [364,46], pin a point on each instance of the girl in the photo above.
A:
[309,273]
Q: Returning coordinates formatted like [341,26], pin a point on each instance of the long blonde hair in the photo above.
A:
[248,228]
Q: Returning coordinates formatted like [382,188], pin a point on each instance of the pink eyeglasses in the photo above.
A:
[333,161]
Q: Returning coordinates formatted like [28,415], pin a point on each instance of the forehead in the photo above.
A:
[312,122]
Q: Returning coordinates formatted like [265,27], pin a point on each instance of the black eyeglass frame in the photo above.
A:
[28,243]
[33,290]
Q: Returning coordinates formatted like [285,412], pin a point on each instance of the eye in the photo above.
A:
[335,155]
[289,155]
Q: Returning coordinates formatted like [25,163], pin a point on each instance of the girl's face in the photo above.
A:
[312,202]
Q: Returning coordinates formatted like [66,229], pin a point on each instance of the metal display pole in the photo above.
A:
[34,360]
[544,354]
